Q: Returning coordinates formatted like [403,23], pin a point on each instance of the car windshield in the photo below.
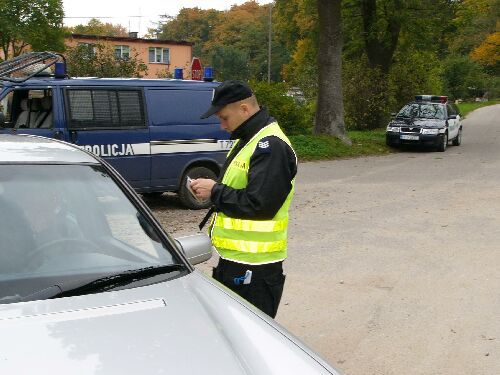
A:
[423,110]
[67,225]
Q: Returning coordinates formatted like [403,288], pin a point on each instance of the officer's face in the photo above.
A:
[233,115]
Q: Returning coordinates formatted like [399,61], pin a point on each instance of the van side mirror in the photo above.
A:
[197,248]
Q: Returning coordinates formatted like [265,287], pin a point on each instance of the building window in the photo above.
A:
[122,52]
[159,55]
[89,49]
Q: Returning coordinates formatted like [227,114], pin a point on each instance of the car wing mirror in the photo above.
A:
[452,117]
[393,114]
[197,248]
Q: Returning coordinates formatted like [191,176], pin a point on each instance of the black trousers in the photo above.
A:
[266,286]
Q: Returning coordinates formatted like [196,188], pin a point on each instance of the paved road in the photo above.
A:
[394,261]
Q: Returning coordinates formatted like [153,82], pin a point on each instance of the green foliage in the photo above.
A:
[316,147]
[464,78]
[35,23]
[229,63]
[365,96]
[100,61]
[96,27]
[293,117]
[422,76]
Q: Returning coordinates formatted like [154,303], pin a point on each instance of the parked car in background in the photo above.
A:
[428,121]
[90,283]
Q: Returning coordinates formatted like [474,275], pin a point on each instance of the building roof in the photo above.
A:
[130,39]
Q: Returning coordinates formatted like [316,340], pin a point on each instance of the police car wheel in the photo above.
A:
[185,196]
[444,143]
[458,140]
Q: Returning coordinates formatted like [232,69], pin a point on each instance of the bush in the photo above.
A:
[293,117]
[365,96]
[464,78]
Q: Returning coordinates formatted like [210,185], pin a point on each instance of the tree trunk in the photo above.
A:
[379,46]
[330,107]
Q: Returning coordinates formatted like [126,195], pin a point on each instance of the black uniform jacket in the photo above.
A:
[272,167]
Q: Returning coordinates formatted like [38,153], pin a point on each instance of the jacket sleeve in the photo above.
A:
[272,168]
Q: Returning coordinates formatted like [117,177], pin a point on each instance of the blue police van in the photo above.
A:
[148,129]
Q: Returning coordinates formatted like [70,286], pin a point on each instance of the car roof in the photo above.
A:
[33,149]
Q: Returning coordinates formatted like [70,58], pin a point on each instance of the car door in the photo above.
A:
[453,122]
[111,123]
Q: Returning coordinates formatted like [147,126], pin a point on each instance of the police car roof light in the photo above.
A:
[431,98]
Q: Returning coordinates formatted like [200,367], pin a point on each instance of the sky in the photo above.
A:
[136,15]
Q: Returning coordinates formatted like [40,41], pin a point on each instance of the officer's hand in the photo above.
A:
[203,187]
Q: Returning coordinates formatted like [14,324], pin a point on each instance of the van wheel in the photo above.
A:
[185,196]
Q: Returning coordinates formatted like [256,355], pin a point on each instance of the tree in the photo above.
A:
[330,107]
[96,27]
[35,24]
[99,60]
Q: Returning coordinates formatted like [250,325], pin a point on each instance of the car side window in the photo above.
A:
[451,110]
[95,108]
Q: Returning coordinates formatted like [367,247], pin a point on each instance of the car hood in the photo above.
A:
[189,325]
[421,123]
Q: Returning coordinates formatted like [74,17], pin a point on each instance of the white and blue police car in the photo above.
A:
[429,120]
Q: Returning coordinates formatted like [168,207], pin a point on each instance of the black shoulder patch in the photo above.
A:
[264,146]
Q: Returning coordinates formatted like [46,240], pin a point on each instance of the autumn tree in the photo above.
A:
[96,27]
[191,24]
[35,24]
[99,60]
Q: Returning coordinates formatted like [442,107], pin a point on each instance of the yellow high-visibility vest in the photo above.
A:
[251,241]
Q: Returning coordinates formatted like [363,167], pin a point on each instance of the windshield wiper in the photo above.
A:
[120,279]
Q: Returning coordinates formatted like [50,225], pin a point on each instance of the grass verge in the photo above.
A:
[319,147]
[467,107]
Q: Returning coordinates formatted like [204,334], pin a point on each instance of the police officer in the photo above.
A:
[251,198]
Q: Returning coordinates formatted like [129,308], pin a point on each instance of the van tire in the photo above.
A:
[185,196]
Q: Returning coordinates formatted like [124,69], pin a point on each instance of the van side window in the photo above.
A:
[179,107]
[27,109]
[105,109]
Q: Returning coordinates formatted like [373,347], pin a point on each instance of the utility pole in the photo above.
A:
[269,44]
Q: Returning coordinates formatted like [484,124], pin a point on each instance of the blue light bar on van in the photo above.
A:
[60,69]
[208,74]
[178,73]
[431,98]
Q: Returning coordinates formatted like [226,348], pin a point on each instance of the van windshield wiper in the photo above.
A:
[99,285]
[123,278]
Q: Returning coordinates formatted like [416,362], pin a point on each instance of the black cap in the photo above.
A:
[226,93]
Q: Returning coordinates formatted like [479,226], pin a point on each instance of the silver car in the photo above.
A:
[91,284]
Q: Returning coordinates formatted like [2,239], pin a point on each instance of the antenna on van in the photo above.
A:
[25,66]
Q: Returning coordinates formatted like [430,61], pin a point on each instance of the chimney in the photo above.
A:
[132,34]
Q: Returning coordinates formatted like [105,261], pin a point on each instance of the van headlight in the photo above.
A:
[430,131]
[395,129]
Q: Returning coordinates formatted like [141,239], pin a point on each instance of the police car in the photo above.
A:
[428,121]
[148,129]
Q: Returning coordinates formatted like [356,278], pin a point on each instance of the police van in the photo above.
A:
[148,129]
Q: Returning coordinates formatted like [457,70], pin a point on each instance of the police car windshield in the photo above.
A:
[61,223]
[423,110]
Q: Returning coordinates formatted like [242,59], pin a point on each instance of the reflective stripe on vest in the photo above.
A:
[251,241]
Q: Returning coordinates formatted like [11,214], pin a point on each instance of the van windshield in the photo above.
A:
[69,223]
